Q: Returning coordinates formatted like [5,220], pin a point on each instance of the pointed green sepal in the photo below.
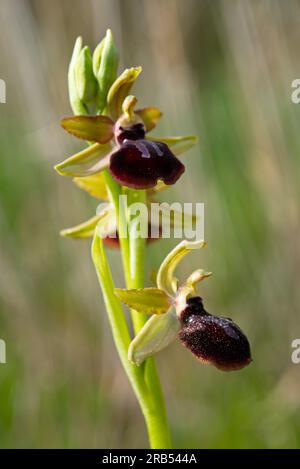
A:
[88,161]
[93,128]
[94,185]
[120,89]
[178,145]
[83,230]
[155,335]
[145,300]
[104,221]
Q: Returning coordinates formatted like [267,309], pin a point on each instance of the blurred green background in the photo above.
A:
[221,70]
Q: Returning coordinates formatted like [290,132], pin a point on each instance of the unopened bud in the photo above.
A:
[105,65]
[77,104]
[85,80]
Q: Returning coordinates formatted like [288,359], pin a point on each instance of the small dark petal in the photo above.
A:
[213,340]
[134,132]
[140,164]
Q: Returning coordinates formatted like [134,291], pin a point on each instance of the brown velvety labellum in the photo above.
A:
[140,164]
[213,340]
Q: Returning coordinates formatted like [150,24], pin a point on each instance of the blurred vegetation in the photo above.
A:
[221,70]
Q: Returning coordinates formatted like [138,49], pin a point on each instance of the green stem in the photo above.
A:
[136,258]
[144,379]
[153,414]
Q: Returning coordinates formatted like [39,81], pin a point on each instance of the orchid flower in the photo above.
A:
[120,142]
[178,312]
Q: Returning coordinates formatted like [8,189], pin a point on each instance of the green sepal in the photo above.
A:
[104,222]
[155,335]
[145,300]
[93,128]
[83,230]
[119,90]
[178,145]
[89,161]
[94,185]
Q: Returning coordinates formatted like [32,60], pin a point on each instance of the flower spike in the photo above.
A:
[214,340]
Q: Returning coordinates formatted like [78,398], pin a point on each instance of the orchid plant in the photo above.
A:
[122,159]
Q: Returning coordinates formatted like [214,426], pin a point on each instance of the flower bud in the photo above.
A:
[77,105]
[213,340]
[85,80]
[105,65]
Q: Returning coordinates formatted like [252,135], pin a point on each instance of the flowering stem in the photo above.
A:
[137,257]
[144,379]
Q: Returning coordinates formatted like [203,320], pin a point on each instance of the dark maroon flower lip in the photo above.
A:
[141,163]
[213,340]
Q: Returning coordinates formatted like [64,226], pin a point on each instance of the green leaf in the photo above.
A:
[95,185]
[145,300]
[86,83]
[120,89]
[156,334]
[165,277]
[94,128]
[178,145]
[88,161]
[150,116]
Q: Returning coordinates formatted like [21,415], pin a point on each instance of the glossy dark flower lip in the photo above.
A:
[213,340]
[140,164]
